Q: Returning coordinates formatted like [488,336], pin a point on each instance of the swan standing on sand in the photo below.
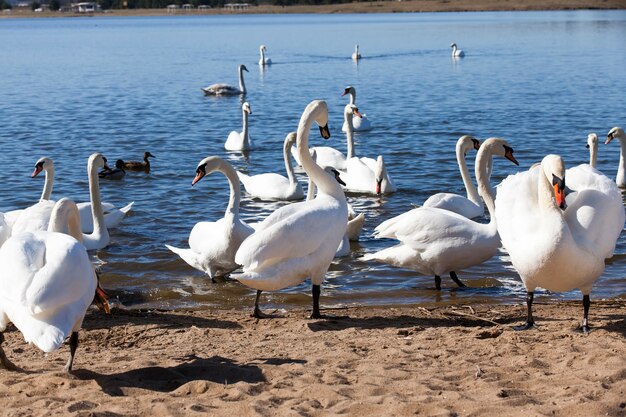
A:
[435,241]
[456,53]
[212,245]
[226,89]
[618,133]
[264,60]
[240,141]
[555,247]
[470,206]
[47,283]
[360,122]
[272,186]
[356,55]
[112,218]
[139,165]
[592,145]
[298,241]
[364,175]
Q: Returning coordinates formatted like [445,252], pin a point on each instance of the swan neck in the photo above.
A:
[472,193]
[235,188]
[593,155]
[242,85]
[47,185]
[310,193]
[288,165]
[262,56]
[621,170]
[246,139]
[325,183]
[352,97]
[99,227]
[482,171]
[545,194]
[349,135]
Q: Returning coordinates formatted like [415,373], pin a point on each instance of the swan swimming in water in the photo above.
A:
[240,141]
[470,206]
[556,242]
[47,282]
[360,122]
[356,55]
[456,53]
[226,89]
[297,241]
[263,60]
[435,241]
[212,245]
[272,186]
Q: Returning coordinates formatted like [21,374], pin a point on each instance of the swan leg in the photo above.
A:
[257,311]
[437,282]
[316,302]
[457,280]
[73,346]
[5,363]
[586,304]
[530,321]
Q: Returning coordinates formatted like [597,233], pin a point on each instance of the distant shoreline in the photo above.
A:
[391,6]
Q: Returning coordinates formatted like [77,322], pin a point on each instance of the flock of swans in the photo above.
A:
[557,225]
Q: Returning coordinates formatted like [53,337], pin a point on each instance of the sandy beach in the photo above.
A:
[408,6]
[382,361]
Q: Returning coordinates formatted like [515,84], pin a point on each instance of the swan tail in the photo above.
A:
[354,227]
[127,207]
[190,257]
[114,218]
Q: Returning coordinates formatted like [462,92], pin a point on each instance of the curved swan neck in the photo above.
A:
[66,219]
[99,227]
[621,170]
[287,157]
[242,85]
[349,134]
[235,187]
[325,183]
[482,172]
[545,194]
[244,132]
[472,193]
[48,183]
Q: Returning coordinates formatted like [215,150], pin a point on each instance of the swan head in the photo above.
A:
[453,45]
[380,173]
[348,90]
[243,68]
[467,142]
[499,147]
[592,140]
[262,48]
[615,133]
[148,155]
[335,174]
[205,167]
[554,170]
[44,163]
[97,160]
[246,107]
[350,111]
[321,117]
[290,140]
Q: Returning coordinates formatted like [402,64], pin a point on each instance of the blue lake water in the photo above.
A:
[73,86]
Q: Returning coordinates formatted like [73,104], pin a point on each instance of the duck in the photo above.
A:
[272,186]
[212,245]
[226,89]
[456,53]
[112,215]
[117,173]
[435,241]
[240,141]
[297,241]
[360,123]
[263,60]
[356,55]
[618,133]
[47,282]
[470,206]
[592,145]
[139,165]
[554,241]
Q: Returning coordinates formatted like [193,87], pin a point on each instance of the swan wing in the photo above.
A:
[221,89]
[33,218]
[270,186]
[455,203]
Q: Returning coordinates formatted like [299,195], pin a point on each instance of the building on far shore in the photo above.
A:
[237,7]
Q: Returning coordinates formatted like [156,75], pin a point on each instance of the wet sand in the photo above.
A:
[382,361]
[365,7]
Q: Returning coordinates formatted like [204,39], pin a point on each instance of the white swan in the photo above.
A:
[226,89]
[618,133]
[456,53]
[112,217]
[47,283]
[551,246]
[470,206]
[263,60]
[272,186]
[364,175]
[360,122]
[212,245]
[356,55]
[298,241]
[240,141]
[435,241]
[592,145]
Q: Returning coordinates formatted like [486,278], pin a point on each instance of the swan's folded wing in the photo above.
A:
[279,215]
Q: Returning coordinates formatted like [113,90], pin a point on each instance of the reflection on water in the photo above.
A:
[123,86]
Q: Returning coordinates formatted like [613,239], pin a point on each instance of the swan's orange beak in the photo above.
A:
[325,132]
[560,197]
[101,300]
[38,169]
[200,172]
[346,91]
[609,138]
[357,114]
[509,155]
